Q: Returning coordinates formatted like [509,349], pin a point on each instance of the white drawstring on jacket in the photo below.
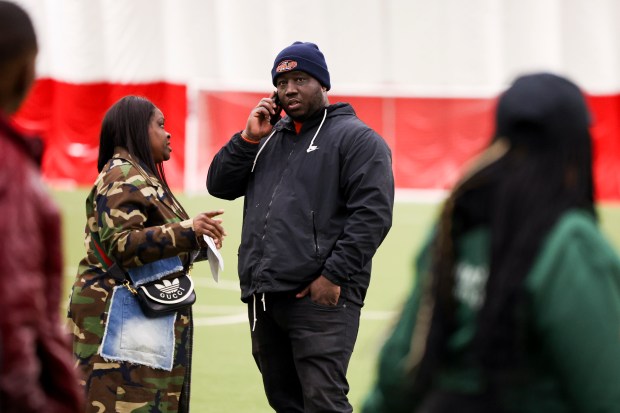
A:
[261,149]
[254,309]
[311,147]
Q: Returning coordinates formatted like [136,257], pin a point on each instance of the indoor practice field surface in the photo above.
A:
[225,378]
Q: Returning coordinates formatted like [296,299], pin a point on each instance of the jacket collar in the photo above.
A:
[170,202]
[336,109]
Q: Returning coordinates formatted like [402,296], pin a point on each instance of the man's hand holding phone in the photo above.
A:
[278,108]
[262,118]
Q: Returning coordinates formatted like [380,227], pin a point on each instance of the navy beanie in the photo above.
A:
[305,57]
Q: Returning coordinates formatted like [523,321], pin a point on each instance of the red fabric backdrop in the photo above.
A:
[431,138]
[68,117]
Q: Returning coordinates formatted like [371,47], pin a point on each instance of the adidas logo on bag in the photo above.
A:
[169,287]
[168,291]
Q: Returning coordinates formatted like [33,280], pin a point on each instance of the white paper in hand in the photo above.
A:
[216,262]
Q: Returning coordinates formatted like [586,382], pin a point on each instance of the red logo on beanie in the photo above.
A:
[286,66]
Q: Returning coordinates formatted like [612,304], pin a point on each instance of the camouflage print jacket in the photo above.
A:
[137,222]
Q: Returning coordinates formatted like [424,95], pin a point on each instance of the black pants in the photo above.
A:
[302,350]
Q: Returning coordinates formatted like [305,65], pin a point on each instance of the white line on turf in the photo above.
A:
[242,317]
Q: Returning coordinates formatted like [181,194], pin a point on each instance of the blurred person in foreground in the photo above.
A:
[36,369]
[319,193]
[516,305]
[133,219]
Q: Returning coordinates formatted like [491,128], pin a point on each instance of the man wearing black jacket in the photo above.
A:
[319,194]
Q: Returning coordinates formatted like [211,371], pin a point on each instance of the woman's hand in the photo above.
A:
[204,224]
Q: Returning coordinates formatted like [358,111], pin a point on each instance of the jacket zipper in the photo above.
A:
[316,235]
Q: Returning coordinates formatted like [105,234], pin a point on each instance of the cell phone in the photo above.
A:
[276,117]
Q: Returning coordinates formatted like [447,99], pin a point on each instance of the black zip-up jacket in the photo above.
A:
[314,203]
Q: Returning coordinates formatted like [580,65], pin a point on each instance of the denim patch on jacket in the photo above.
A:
[155,270]
[135,338]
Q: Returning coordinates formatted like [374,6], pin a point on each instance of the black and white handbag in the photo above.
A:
[160,287]
[166,294]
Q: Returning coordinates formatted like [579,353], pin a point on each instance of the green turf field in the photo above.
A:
[225,378]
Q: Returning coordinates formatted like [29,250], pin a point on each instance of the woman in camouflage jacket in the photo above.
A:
[135,218]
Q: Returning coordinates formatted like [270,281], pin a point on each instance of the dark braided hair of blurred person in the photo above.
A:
[126,125]
[537,167]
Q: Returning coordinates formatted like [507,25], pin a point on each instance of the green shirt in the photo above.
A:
[574,310]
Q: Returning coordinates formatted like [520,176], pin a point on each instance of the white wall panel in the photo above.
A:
[591,44]
[531,32]
[444,47]
[410,47]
